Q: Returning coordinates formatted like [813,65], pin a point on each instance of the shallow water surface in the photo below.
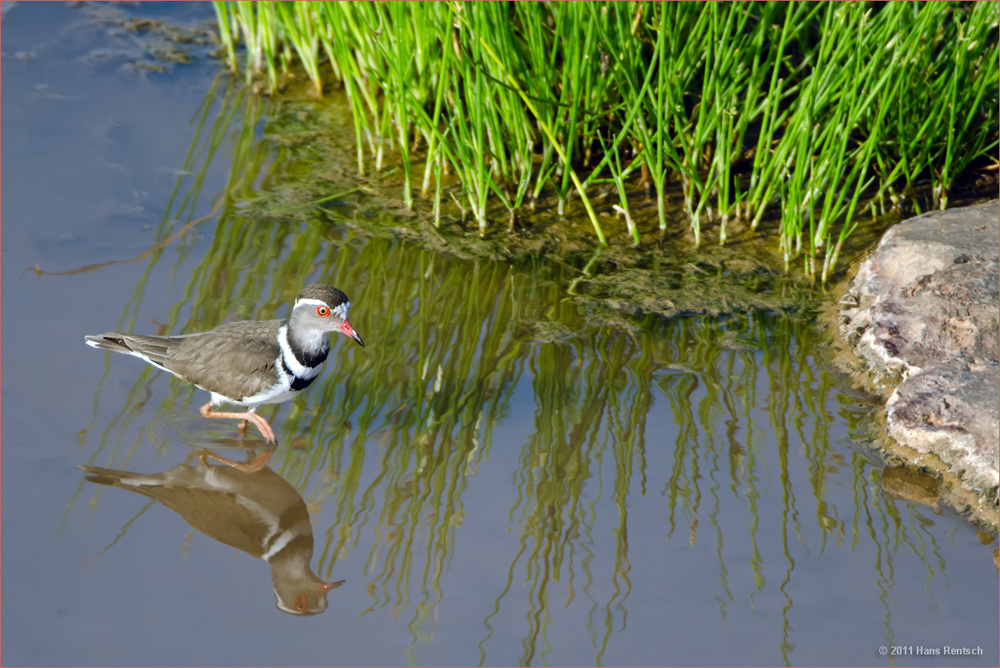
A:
[501,476]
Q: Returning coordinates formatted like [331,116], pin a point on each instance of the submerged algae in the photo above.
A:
[665,275]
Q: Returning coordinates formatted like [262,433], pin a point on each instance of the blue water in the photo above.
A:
[503,475]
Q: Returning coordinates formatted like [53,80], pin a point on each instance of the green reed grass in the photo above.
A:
[799,109]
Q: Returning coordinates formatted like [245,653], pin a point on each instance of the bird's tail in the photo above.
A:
[116,478]
[152,349]
[109,341]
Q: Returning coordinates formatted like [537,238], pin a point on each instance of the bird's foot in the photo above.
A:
[250,466]
[259,422]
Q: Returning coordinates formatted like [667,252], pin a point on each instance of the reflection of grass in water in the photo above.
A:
[385,442]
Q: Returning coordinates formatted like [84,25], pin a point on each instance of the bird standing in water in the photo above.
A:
[251,362]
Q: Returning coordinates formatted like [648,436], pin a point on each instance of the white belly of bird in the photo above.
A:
[277,393]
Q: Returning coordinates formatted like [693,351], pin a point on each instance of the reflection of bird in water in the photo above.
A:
[251,362]
[259,513]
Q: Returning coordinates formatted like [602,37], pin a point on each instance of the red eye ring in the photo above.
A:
[322,311]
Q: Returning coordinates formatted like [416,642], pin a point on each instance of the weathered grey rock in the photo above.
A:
[952,411]
[922,314]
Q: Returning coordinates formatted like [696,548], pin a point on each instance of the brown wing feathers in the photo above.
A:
[227,360]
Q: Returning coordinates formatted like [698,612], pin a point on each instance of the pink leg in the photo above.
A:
[259,422]
[252,466]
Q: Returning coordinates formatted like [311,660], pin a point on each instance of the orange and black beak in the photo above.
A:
[346,328]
